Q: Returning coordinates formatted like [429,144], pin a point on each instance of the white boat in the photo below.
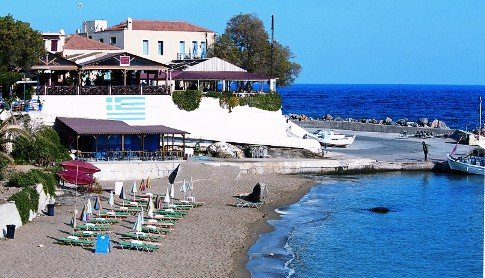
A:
[332,139]
[469,164]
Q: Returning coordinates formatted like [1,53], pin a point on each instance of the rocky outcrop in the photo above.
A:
[224,150]
[438,124]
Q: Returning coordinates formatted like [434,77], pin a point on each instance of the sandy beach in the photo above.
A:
[211,241]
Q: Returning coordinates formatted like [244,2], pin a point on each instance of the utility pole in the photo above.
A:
[272,46]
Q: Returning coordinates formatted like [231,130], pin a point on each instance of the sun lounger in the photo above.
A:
[75,241]
[195,204]
[166,217]
[114,214]
[86,234]
[143,236]
[163,224]
[93,227]
[246,204]
[99,220]
[138,245]
[154,229]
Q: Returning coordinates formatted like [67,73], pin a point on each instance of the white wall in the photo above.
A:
[132,41]
[244,125]
[10,215]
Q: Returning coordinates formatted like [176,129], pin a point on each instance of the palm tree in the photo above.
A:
[10,129]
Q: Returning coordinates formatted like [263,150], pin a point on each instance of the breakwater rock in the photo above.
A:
[421,122]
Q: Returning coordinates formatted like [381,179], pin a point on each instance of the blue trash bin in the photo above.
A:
[10,231]
[50,209]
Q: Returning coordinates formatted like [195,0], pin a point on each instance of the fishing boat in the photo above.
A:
[471,164]
[331,138]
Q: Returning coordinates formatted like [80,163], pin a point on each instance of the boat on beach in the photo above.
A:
[471,164]
[330,138]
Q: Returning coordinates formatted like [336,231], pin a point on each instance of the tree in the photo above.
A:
[20,47]
[246,44]
[11,129]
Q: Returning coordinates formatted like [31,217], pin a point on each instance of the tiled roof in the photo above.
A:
[76,42]
[82,126]
[156,25]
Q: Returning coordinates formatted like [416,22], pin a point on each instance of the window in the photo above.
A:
[181,54]
[112,40]
[53,45]
[195,49]
[145,47]
[160,47]
[101,40]
[203,50]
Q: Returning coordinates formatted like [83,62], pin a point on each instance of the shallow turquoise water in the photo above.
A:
[434,229]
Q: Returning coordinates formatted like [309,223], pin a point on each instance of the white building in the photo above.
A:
[54,41]
[161,41]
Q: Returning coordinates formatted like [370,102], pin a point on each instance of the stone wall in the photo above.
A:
[134,170]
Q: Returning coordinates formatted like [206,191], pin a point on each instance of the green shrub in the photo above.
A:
[269,102]
[25,200]
[34,176]
[187,100]
[43,148]
[213,94]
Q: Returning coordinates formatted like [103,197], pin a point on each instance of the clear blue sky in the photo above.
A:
[339,41]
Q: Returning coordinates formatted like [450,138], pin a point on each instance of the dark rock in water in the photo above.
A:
[379,210]
[388,121]
[402,122]
[423,121]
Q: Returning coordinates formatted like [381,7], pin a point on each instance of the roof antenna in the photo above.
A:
[80,6]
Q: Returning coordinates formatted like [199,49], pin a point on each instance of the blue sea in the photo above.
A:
[457,106]
[434,229]
[435,226]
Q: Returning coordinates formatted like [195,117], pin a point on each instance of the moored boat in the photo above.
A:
[332,139]
[469,164]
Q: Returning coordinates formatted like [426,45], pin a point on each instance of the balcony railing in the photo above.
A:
[102,90]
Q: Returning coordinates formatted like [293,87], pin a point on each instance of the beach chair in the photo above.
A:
[137,245]
[86,234]
[160,223]
[93,227]
[75,241]
[246,204]
[142,236]
[99,220]
[155,230]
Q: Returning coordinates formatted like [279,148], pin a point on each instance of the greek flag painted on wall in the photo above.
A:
[125,108]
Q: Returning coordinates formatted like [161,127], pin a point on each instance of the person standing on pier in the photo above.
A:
[425,151]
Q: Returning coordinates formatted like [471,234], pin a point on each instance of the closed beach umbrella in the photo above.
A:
[89,207]
[148,182]
[167,197]
[74,220]
[83,216]
[111,200]
[142,212]
[142,186]
[138,223]
[172,191]
[122,193]
[134,189]
[190,186]
[150,207]
[97,203]
[183,188]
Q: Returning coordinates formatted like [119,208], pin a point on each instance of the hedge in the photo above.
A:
[26,200]
[34,176]
[187,100]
